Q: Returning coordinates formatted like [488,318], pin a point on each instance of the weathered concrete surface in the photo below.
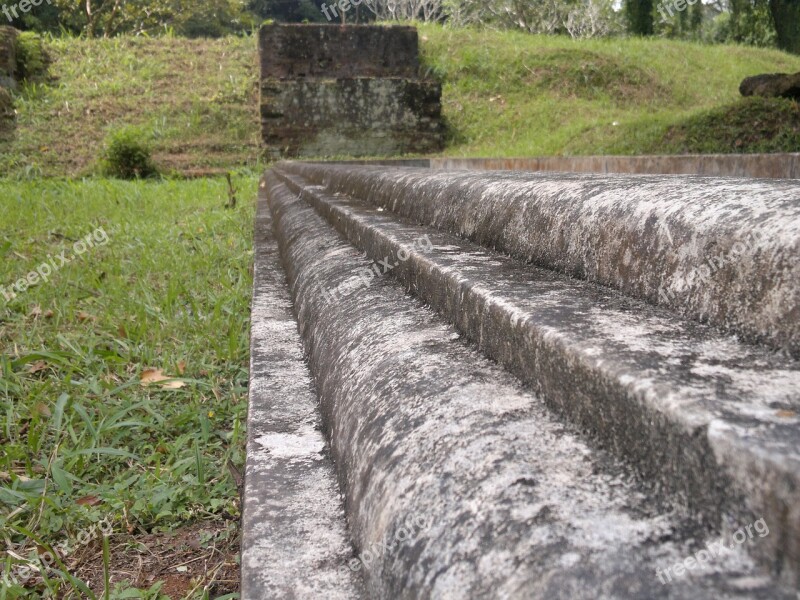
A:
[779,166]
[724,251]
[363,116]
[329,90]
[294,533]
[514,504]
[293,51]
[691,409]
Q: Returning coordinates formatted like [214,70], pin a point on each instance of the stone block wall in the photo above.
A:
[353,90]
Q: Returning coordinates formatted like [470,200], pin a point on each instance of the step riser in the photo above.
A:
[711,478]
[725,251]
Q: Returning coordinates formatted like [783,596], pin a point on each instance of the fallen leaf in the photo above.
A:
[43,409]
[88,501]
[39,365]
[83,316]
[49,314]
[150,376]
[36,312]
[182,367]
[121,331]
[786,414]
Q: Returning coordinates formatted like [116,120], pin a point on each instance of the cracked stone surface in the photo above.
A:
[495,497]
[294,529]
[718,250]
[714,420]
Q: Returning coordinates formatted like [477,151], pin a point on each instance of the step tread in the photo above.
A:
[739,403]
[516,503]
[722,250]
[294,531]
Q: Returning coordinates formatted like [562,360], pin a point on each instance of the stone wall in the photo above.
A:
[329,90]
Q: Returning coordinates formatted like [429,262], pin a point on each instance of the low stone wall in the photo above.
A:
[777,166]
[354,90]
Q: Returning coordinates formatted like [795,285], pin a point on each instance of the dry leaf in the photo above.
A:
[121,331]
[83,316]
[157,376]
[36,312]
[787,414]
[182,367]
[49,314]
[43,409]
[88,501]
[39,365]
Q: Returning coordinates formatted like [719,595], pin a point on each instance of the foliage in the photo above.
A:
[32,59]
[578,18]
[640,16]
[786,17]
[193,18]
[289,12]
[751,23]
[128,155]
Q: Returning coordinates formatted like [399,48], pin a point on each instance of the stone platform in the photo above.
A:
[504,404]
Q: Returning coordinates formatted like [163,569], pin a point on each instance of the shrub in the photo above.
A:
[128,155]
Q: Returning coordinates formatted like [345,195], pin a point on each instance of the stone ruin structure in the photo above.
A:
[355,90]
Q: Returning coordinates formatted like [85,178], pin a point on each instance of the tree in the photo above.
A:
[639,14]
[193,18]
[591,18]
[786,17]
[751,22]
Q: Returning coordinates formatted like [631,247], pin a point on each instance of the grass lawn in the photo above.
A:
[513,94]
[93,439]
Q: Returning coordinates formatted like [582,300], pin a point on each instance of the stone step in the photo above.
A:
[294,528]
[460,482]
[718,250]
[706,419]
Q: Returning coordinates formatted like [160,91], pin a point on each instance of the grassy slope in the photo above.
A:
[512,94]
[505,94]
[199,99]
[170,290]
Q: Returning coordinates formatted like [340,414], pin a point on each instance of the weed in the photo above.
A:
[128,155]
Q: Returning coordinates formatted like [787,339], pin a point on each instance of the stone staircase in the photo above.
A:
[482,384]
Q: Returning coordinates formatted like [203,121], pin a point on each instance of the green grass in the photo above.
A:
[82,439]
[505,94]
[513,94]
[197,99]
